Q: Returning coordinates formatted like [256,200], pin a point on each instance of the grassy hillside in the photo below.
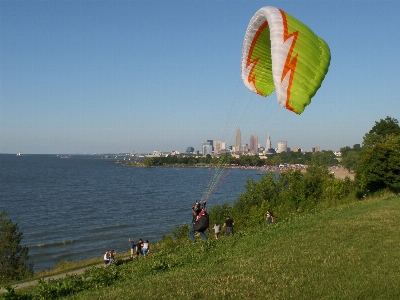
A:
[350,252]
[344,253]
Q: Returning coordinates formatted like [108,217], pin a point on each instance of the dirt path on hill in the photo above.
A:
[53,277]
[58,276]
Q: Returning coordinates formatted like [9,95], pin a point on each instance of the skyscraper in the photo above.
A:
[206,148]
[254,144]
[238,141]
[217,146]
[211,143]
[268,142]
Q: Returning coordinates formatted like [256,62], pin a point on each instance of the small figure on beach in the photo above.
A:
[228,225]
[217,230]
[199,214]
[106,259]
[269,218]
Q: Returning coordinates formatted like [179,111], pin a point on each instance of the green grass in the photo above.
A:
[348,252]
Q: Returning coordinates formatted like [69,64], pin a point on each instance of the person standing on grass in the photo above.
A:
[145,249]
[217,229]
[112,256]
[269,218]
[197,212]
[229,226]
[132,247]
[106,259]
[139,246]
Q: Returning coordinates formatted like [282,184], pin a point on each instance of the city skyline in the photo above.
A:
[253,144]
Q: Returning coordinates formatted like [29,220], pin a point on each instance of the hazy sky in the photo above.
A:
[122,76]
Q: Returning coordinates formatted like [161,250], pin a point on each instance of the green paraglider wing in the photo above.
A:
[281,53]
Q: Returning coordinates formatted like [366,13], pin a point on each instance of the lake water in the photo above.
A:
[78,207]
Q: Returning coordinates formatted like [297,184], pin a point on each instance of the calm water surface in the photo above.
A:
[77,208]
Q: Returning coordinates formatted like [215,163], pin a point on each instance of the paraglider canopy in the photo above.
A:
[281,53]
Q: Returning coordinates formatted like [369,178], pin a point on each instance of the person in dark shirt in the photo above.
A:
[196,210]
[139,247]
[228,225]
[270,217]
[112,256]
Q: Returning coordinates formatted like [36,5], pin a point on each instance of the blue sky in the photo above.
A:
[122,76]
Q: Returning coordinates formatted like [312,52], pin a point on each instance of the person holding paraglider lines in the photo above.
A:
[200,221]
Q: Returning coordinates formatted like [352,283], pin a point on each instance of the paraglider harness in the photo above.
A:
[200,217]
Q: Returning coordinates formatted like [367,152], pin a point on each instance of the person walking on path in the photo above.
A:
[228,225]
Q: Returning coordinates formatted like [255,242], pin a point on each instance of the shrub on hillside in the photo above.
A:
[13,256]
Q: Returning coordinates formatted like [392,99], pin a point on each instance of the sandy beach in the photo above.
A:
[341,173]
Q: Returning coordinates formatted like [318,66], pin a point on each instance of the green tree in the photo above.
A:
[379,165]
[226,159]
[13,257]
[324,158]
[380,130]
[351,160]
[344,151]
[250,160]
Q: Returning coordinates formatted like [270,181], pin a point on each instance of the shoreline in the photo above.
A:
[338,171]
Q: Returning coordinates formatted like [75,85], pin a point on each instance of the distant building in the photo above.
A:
[217,147]
[189,150]
[268,142]
[316,149]
[157,153]
[238,140]
[223,147]
[282,147]
[254,144]
[206,148]
[211,143]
